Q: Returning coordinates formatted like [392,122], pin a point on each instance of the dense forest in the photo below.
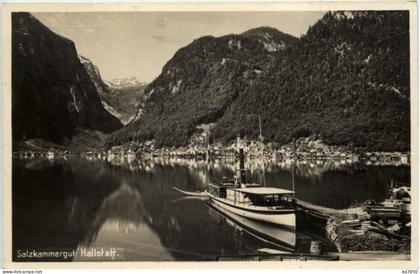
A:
[345,81]
[198,85]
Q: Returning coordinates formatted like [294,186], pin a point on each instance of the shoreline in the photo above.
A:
[395,158]
[307,149]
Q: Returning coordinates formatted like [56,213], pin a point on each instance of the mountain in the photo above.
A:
[120,83]
[52,94]
[346,81]
[272,39]
[94,74]
[101,87]
[119,97]
[125,97]
[198,85]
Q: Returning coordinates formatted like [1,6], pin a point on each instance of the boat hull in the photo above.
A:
[282,237]
[287,219]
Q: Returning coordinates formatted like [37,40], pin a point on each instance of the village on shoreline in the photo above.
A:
[303,150]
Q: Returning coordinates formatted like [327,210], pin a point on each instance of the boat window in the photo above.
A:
[286,198]
[217,191]
[222,192]
[276,200]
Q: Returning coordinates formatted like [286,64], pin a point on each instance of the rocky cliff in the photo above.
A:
[52,94]
[120,97]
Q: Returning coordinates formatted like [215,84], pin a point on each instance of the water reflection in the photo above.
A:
[129,204]
[336,184]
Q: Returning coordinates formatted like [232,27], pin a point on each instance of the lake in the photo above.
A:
[125,209]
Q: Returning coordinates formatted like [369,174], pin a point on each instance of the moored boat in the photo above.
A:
[254,201]
[274,235]
[266,204]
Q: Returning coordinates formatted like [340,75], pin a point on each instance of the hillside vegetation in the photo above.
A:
[345,81]
[197,86]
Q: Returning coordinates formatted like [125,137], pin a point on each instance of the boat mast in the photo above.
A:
[208,152]
[293,166]
[262,149]
[293,179]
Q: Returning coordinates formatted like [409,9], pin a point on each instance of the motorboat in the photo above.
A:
[266,204]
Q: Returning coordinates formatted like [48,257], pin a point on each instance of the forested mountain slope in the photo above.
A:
[346,81]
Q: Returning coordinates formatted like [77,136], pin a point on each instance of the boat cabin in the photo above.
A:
[262,197]
[219,189]
[253,196]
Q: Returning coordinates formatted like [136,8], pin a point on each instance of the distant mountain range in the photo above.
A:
[125,97]
[346,81]
[120,97]
[119,83]
[52,94]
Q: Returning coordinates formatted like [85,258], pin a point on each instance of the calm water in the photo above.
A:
[75,205]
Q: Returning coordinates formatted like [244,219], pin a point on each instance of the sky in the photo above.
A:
[126,44]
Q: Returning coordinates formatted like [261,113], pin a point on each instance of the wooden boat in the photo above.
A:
[266,204]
